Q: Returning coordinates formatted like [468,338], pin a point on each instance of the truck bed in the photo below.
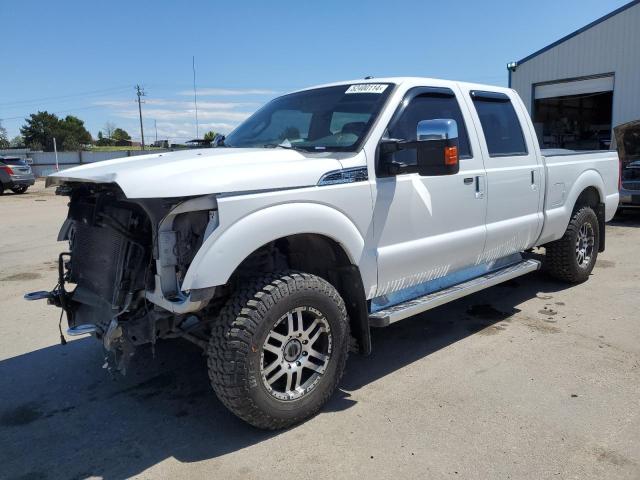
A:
[568,174]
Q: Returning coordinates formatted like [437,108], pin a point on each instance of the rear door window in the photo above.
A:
[500,124]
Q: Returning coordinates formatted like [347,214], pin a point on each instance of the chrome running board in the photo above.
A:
[387,316]
[82,330]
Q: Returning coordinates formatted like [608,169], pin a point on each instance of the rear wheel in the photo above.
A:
[279,349]
[19,189]
[572,258]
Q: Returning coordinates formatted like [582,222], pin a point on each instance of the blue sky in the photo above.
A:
[83,57]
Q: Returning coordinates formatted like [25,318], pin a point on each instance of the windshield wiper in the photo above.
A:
[284,145]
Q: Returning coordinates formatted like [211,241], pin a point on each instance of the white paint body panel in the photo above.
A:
[573,174]
[514,206]
[205,171]
[399,231]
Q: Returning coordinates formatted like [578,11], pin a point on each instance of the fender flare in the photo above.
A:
[557,219]
[589,178]
[225,249]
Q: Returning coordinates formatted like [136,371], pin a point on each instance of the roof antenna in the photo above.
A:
[368,77]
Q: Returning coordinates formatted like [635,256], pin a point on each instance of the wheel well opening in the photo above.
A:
[590,197]
[318,255]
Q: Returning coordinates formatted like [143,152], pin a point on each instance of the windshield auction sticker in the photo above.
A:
[367,88]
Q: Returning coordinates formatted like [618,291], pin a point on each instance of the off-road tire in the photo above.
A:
[234,350]
[560,259]
[19,190]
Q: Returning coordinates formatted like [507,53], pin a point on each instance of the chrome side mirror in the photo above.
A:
[438,129]
[437,145]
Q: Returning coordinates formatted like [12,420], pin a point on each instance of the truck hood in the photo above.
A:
[205,171]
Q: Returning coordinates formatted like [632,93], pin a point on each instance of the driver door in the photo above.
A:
[427,227]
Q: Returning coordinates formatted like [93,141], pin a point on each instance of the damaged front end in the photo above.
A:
[120,279]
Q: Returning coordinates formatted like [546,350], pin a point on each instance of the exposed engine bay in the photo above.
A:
[120,279]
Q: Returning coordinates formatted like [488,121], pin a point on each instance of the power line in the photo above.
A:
[140,93]
[59,97]
[22,117]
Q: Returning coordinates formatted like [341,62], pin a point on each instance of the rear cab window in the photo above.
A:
[500,124]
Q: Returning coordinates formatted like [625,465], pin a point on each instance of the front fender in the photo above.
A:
[227,247]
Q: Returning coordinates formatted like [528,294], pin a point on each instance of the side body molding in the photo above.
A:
[229,245]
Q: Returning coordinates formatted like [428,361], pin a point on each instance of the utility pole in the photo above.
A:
[140,93]
[155,124]
[195,96]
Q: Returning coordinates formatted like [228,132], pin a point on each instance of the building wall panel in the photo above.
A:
[612,46]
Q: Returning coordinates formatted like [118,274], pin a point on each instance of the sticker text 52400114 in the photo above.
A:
[367,88]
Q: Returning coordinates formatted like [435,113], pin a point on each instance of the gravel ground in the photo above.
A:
[530,379]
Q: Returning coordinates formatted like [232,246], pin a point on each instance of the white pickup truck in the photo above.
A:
[329,211]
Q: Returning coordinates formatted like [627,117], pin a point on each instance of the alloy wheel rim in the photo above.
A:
[295,353]
[585,242]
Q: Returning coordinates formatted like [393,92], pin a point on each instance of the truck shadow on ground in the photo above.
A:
[630,218]
[62,416]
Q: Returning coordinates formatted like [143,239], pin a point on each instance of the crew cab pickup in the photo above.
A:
[329,211]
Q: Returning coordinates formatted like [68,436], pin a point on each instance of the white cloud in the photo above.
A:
[175,118]
[228,92]
[178,131]
[164,114]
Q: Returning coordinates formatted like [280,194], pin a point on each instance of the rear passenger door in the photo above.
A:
[513,173]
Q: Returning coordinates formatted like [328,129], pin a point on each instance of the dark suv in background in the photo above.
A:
[15,175]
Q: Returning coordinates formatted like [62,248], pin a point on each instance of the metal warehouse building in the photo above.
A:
[585,84]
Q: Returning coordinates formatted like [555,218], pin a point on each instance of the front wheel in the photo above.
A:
[572,258]
[278,349]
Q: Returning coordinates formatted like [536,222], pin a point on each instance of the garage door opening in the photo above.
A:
[576,115]
[576,122]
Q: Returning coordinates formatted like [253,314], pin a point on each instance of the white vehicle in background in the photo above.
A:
[329,211]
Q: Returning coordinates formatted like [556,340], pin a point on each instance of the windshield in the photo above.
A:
[331,118]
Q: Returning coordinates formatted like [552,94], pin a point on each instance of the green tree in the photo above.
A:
[73,133]
[71,144]
[4,140]
[210,135]
[17,142]
[103,141]
[120,135]
[41,128]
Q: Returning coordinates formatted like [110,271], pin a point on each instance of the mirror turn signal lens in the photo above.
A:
[450,155]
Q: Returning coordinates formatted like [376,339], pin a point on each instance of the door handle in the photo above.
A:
[468,180]
[480,186]
[534,183]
